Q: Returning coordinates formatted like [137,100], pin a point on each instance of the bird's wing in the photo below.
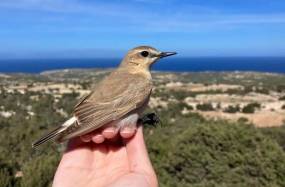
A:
[115,97]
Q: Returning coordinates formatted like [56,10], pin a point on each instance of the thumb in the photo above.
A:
[137,153]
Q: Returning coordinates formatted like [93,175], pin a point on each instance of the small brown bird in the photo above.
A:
[119,99]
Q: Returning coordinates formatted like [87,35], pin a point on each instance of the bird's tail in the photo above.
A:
[55,133]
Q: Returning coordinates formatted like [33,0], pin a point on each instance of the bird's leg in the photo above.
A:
[150,119]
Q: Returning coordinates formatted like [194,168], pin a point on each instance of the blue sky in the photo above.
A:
[91,28]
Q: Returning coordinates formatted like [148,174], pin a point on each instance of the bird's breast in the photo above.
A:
[128,121]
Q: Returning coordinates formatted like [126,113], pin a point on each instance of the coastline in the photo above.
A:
[191,64]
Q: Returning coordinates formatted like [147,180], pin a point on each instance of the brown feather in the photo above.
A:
[117,95]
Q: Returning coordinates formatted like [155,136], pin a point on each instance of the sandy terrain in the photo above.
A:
[194,87]
[156,101]
[259,119]
[55,88]
[231,99]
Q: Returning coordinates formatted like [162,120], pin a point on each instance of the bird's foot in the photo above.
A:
[150,119]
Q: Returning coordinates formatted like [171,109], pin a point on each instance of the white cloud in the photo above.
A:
[122,16]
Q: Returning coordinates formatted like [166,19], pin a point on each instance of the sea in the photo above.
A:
[191,64]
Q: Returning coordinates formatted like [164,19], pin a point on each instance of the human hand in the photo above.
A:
[119,163]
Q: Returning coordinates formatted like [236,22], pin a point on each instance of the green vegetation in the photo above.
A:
[282,98]
[242,120]
[188,107]
[276,133]
[67,102]
[216,154]
[273,82]
[262,90]
[280,88]
[232,109]
[205,107]
[250,108]
[186,151]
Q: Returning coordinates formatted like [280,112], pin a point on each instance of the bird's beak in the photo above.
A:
[165,54]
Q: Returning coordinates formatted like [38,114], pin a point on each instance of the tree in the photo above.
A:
[40,171]
[217,154]
[232,109]
[205,107]
[250,108]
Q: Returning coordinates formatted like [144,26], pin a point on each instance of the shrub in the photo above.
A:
[40,171]
[280,88]
[242,120]
[205,107]
[250,108]
[179,95]
[68,101]
[219,106]
[232,109]
[188,107]
[282,98]
[247,89]
[216,154]
[5,177]
[256,105]
[276,133]
[262,90]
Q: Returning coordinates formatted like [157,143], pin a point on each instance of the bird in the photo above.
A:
[119,99]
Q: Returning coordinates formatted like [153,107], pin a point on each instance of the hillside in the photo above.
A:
[209,134]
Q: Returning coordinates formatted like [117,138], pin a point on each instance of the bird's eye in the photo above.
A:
[144,53]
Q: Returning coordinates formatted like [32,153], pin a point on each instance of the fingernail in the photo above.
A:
[128,130]
[109,130]
[85,138]
[98,139]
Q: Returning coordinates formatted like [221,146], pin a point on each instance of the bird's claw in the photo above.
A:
[150,119]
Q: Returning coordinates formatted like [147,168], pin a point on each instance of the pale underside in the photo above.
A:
[119,99]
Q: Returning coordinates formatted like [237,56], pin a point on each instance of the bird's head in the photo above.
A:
[143,57]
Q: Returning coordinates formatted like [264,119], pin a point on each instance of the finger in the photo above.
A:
[110,132]
[137,153]
[86,137]
[95,136]
[98,138]
[127,132]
